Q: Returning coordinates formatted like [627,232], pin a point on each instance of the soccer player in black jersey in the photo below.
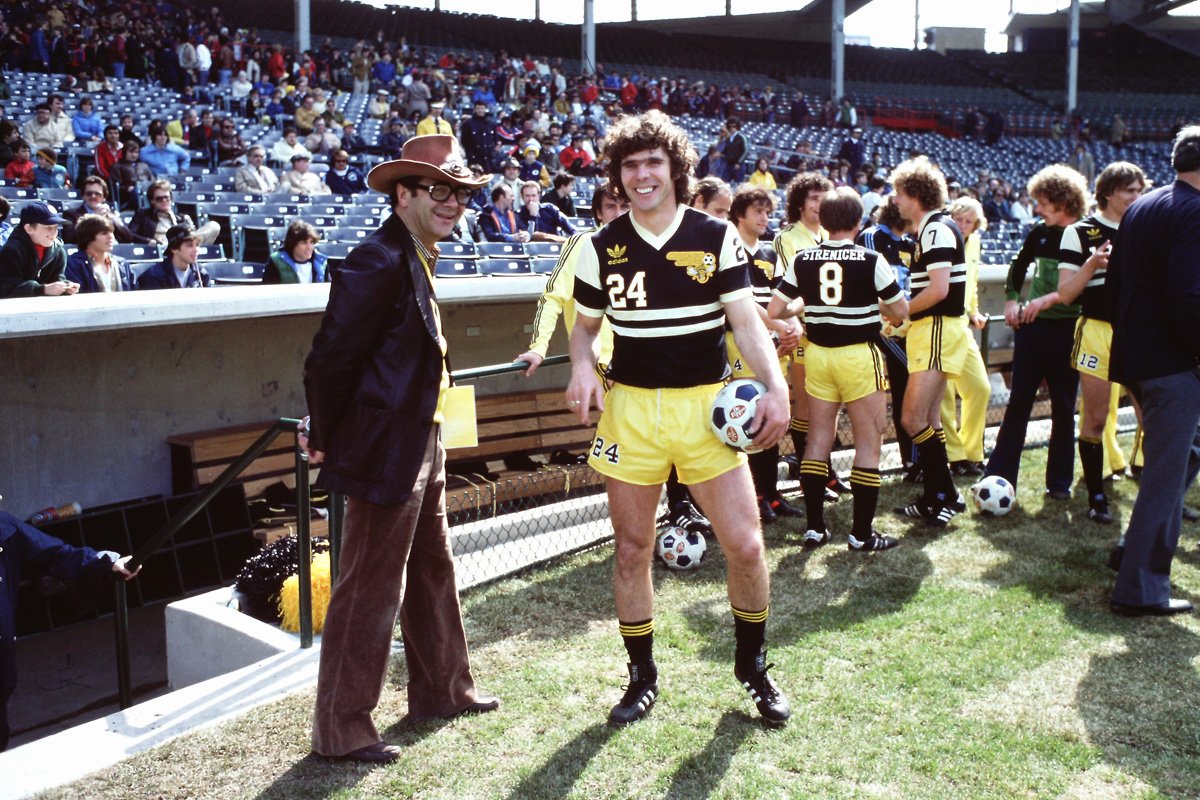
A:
[1082,277]
[668,278]
[842,286]
[937,337]
[750,212]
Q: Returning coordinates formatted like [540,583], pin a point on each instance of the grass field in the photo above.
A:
[975,662]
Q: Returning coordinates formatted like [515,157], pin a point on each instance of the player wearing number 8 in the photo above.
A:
[842,285]
[668,277]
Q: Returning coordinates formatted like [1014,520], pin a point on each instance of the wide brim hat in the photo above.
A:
[434,156]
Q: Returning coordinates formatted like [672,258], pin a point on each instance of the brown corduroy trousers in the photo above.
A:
[393,559]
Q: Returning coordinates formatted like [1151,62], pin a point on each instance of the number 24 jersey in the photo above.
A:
[664,296]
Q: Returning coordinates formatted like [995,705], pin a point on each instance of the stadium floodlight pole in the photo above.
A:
[303,31]
[1073,58]
[917,25]
[837,39]
[589,37]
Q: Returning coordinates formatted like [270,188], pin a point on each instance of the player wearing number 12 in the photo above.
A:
[842,285]
[668,277]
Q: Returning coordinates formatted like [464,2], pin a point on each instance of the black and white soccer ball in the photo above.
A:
[680,549]
[994,495]
[733,410]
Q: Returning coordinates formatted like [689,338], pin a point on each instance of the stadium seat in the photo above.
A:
[505,267]
[456,268]
[458,250]
[537,249]
[500,249]
[137,252]
[543,265]
[234,273]
[250,235]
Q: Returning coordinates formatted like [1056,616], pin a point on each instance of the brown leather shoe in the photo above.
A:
[484,703]
[378,753]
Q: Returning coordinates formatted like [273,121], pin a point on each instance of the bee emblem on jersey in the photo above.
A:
[916,256]
[767,267]
[700,266]
[616,254]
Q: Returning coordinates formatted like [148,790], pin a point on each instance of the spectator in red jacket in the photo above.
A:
[108,152]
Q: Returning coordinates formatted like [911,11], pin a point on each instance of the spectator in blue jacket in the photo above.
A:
[383,72]
[23,548]
[93,266]
[543,221]
[498,221]
[163,156]
[178,269]
[86,123]
[343,178]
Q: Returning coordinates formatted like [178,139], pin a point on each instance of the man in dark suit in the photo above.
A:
[376,382]
[1154,291]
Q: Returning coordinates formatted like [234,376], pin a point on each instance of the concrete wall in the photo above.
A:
[86,413]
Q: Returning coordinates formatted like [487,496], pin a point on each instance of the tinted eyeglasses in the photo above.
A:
[440,192]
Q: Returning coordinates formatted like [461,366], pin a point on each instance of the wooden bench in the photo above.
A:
[197,459]
[528,424]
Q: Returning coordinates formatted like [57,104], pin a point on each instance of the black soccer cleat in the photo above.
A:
[1098,510]
[965,468]
[872,543]
[639,697]
[931,513]
[837,486]
[766,514]
[814,539]
[685,515]
[783,508]
[771,703]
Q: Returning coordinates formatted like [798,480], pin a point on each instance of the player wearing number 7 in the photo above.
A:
[842,286]
[668,277]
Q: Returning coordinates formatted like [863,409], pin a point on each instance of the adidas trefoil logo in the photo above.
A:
[616,254]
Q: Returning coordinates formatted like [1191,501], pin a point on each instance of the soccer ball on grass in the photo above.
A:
[680,549]
[733,411]
[994,495]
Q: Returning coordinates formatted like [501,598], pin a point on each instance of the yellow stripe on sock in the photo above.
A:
[798,425]
[923,436]
[865,478]
[814,468]
[751,616]
[640,629]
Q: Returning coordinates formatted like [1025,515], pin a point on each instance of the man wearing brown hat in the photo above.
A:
[376,382]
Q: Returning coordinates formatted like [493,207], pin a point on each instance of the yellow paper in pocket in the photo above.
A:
[458,427]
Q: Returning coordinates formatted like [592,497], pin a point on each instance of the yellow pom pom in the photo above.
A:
[289,596]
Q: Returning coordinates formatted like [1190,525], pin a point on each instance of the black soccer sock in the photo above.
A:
[798,428]
[934,465]
[941,434]
[639,640]
[813,477]
[676,491]
[864,483]
[764,471]
[749,633]
[1091,456]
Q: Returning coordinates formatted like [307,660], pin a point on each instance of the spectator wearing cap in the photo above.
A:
[853,150]
[290,145]
[93,266]
[322,140]
[391,142]
[255,177]
[434,123]
[352,143]
[510,176]
[379,107]
[33,261]
[40,130]
[178,269]
[161,216]
[163,157]
[48,174]
[20,169]
[297,260]
[300,180]
[343,178]
[95,201]
[532,169]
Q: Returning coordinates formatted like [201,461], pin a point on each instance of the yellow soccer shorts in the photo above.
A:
[844,374]
[738,364]
[644,432]
[1093,345]
[939,343]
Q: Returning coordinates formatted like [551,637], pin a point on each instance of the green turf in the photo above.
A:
[974,662]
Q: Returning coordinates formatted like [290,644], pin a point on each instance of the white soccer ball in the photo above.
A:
[680,549]
[733,411]
[994,495]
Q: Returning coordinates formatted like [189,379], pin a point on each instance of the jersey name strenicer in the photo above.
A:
[663,296]
[940,246]
[841,284]
[1078,242]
